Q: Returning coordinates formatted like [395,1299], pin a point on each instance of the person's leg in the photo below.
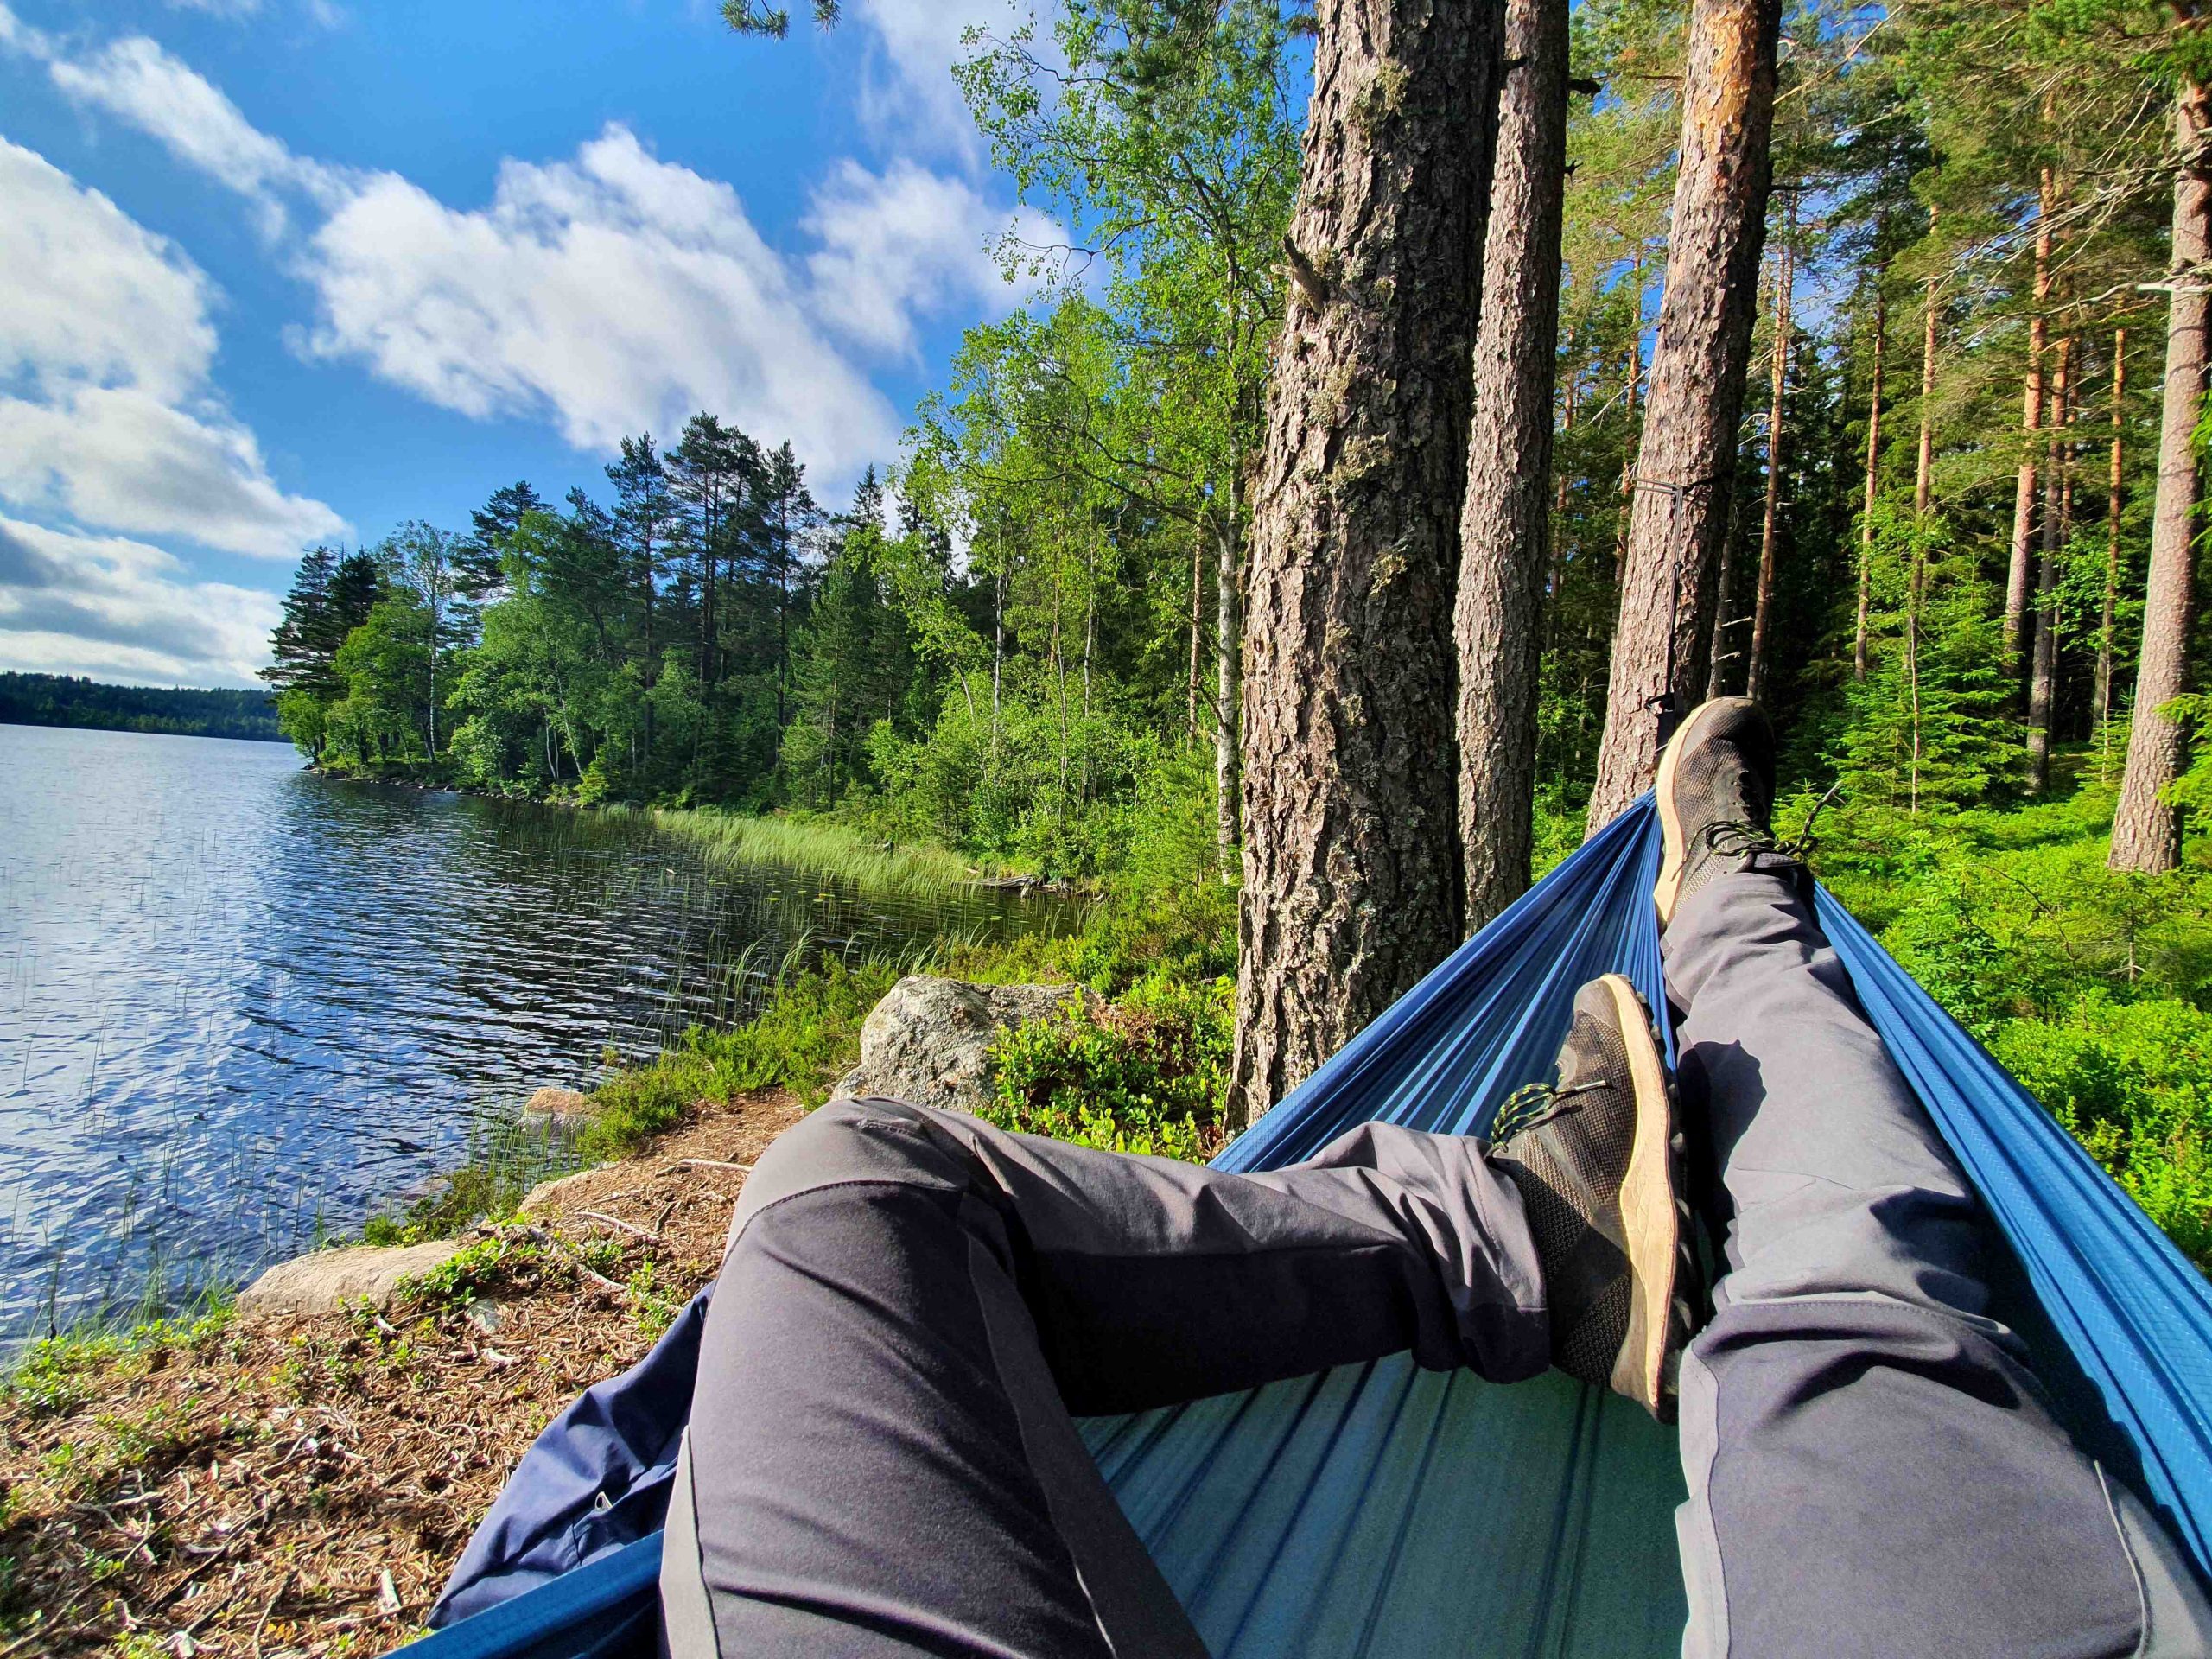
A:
[1871,1467]
[881,1459]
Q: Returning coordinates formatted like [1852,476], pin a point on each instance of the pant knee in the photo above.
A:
[847,1143]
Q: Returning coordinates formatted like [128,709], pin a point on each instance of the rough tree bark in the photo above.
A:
[2146,831]
[1634,383]
[1924,484]
[1687,461]
[1225,760]
[1777,421]
[1505,539]
[1351,855]
[2100,694]
[2043,674]
[1873,492]
[2024,492]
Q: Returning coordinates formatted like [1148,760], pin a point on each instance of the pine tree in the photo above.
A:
[1685,468]
[1351,857]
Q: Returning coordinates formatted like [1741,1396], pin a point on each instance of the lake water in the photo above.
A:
[240,1003]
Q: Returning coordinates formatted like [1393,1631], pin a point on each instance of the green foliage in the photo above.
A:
[1146,1075]
[55,1374]
[67,700]
[821,846]
[2133,1081]
[474,1269]
[809,1026]
[501,1164]
[2093,987]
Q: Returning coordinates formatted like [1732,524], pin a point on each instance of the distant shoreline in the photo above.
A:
[9,717]
[68,702]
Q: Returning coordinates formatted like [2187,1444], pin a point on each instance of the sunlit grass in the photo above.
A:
[820,845]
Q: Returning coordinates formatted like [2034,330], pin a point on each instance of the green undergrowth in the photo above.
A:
[1161,954]
[1146,1074]
[56,1373]
[820,845]
[503,1162]
[2093,987]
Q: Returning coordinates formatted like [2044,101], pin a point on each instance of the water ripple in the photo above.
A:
[240,1003]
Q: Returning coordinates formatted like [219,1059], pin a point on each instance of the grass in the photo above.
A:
[504,1161]
[820,845]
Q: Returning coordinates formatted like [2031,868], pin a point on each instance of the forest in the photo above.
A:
[1380,463]
[72,700]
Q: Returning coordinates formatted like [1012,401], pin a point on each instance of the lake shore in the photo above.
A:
[304,1485]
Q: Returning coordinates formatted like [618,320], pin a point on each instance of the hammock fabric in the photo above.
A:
[1381,1510]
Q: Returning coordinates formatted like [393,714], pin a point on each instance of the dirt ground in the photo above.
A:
[303,1487]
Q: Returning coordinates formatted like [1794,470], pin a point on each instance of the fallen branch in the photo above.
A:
[616,1221]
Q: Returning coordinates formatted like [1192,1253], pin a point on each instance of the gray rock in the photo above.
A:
[927,1041]
[558,1103]
[327,1279]
[552,1195]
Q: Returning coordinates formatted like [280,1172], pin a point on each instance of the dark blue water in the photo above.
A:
[239,1004]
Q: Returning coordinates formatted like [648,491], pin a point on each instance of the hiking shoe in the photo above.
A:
[1599,1163]
[1715,793]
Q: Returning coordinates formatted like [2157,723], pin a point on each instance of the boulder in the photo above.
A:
[927,1042]
[325,1281]
[557,1102]
[556,1193]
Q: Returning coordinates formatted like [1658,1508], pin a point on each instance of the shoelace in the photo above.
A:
[1735,838]
[1534,1104]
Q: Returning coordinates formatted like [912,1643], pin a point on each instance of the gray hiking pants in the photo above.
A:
[883,1462]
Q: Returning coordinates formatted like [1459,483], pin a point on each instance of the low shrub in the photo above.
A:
[1146,1075]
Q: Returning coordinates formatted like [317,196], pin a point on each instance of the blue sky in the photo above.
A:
[275,271]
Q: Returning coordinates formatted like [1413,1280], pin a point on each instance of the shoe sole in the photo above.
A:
[1674,846]
[1651,1220]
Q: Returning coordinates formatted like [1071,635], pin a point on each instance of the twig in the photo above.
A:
[712,1163]
[660,1222]
[575,1256]
[616,1221]
[261,1623]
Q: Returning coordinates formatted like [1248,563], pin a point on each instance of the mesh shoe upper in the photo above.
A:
[1568,1158]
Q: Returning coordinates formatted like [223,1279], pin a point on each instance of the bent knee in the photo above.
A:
[847,1143]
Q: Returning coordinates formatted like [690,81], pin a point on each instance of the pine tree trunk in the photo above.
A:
[1777,420]
[1923,466]
[1724,596]
[2024,492]
[1557,528]
[1924,484]
[1634,379]
[2146,831]
[1505,539]
[1873,492]
[1225,756]
[1351,855]
[1686,465]
[2044,673]
[2100,696]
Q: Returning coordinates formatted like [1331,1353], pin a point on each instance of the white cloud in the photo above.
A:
[908,97]
[605,294]
[121,610]
[217,8]
[105,409]
[139,82]
[908,243]
[618,291]
[17,35]
[119,458]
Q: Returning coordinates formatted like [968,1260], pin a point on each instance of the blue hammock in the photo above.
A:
[1382,1510]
